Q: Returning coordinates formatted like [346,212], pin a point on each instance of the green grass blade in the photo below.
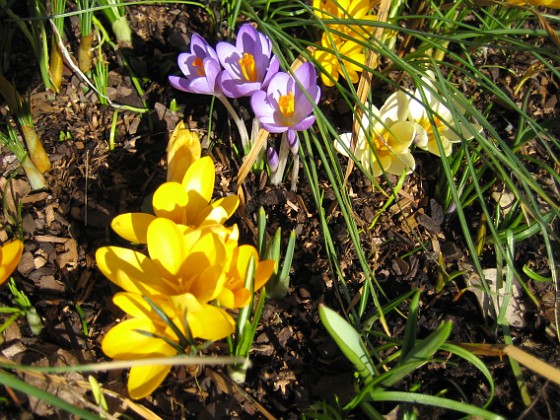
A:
[15,383]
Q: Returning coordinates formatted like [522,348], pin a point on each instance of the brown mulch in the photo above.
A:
[295,364]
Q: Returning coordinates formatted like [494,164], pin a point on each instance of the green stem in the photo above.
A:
[122,31]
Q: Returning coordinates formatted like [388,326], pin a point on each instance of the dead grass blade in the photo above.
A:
[529,361]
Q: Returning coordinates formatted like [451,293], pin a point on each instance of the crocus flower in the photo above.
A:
[234,294]
[202,71]
[188,203]
[182,150]
[332,65]
[201,68]
[249,65]
[182,274]
[444,123]
[10,254]
[348,11]
[554,4]
[390,135]
[284,106]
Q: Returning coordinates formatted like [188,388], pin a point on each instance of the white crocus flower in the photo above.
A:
[443,120]
[386,147]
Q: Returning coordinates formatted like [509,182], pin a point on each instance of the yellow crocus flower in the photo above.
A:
[183,150]
[183,272]
[188,203]
[554,4]
[10,254]
[386,146]
[332,66]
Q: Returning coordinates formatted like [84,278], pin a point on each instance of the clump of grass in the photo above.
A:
[56,62]
[12,143]
[86,34]
[21,110]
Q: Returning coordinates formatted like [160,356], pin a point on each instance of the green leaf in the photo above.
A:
[420,353]
[349,341]
[410,331]
[15,383]
[440,402]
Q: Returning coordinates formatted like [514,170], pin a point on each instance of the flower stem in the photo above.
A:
[276,177]
[239,122]
[295,172]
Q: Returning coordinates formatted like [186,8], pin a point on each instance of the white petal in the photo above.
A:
[346,139]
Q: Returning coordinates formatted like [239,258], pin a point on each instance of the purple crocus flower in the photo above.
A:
[284,106]
[249,65]
[201,68]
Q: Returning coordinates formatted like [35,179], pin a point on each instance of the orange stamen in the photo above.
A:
[199,65]
[248,67]
[286,104]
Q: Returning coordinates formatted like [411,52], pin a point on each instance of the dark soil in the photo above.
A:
[295,362]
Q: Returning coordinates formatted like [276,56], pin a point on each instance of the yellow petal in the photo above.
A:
[210,323]
[545,3]
[242,297]
[170,201]
[205,321]
[199,181]
[264,271]
[166,245]
[143,380]
[433,148]
[226,298]
[133,226]
[212,246]
[242,256]
[199,214]
[185,302]
[131,270]
[401,162]
[183,149]
[401,136]
[208,285]
[229,204]
[125,342]
[10,254]
[133,304]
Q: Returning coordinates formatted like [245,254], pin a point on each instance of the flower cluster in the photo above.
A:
[283,103]
[342,37]
[554,4]
[387,134]
[194,268]
[10,254]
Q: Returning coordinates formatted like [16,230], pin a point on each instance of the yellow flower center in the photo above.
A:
[286,105]
[379,142]
[199,65]
[248,67]
[438,125]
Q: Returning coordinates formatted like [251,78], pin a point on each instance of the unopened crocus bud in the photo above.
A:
[293,141]
[272,159]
